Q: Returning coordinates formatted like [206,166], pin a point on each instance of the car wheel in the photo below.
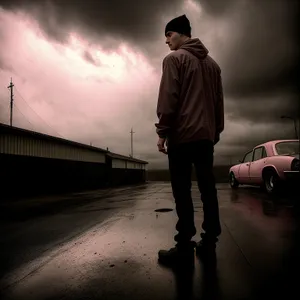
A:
[271,182]
[232,181]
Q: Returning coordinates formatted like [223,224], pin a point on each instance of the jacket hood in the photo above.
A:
[196,47]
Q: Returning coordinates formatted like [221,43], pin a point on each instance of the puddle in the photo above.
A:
[164,209]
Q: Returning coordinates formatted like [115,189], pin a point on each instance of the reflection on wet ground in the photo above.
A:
[106,248]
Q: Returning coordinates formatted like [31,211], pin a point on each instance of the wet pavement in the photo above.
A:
[105,247]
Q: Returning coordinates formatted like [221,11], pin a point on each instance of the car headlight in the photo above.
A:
[295,166]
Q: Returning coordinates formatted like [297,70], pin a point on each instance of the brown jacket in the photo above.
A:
[190,103]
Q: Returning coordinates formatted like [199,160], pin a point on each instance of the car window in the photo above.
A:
[286,148]
[257,153]
[264,154]
[248,157]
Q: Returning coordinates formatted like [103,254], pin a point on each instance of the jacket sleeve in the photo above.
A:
[168,97]
[220,107]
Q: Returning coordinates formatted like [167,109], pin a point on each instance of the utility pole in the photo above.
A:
[11,86]
[131,132]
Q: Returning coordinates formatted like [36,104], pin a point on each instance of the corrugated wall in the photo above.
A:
[118,163]
[33,163]
[30,146]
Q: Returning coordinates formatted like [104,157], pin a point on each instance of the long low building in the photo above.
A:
[32,162]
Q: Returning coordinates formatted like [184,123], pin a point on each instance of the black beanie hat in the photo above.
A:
[180,24]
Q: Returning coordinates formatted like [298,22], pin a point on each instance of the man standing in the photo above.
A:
[190,110]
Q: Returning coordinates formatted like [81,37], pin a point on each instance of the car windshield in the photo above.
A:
[287,148]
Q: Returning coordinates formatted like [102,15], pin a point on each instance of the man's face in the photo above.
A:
[173,40]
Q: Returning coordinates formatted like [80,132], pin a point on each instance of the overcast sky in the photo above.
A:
[89,70]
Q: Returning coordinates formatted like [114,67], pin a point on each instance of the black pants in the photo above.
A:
[181,159]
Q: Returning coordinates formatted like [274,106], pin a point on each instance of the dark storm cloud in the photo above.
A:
[264,53]
[260,58]
[131,20]
[246,142]
[263,109]
[260,66]
[217,7]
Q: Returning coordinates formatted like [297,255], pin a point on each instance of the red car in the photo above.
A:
[268,165]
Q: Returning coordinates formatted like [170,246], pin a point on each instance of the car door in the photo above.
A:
[257,165]
[244,176]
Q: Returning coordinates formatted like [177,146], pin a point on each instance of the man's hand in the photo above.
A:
[161,145]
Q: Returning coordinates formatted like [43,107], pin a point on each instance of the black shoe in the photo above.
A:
[178,255]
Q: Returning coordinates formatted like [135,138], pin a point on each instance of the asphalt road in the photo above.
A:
[103,245]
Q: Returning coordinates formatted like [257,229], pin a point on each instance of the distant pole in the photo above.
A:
[11,86]
[131,132]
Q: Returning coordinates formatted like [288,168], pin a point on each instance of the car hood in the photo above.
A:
[235,166]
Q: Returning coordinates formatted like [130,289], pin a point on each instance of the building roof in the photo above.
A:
[123,157]
[12,129]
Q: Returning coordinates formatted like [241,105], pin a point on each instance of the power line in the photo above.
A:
[24,116]
[57,86]
[10,104]
[36,113]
